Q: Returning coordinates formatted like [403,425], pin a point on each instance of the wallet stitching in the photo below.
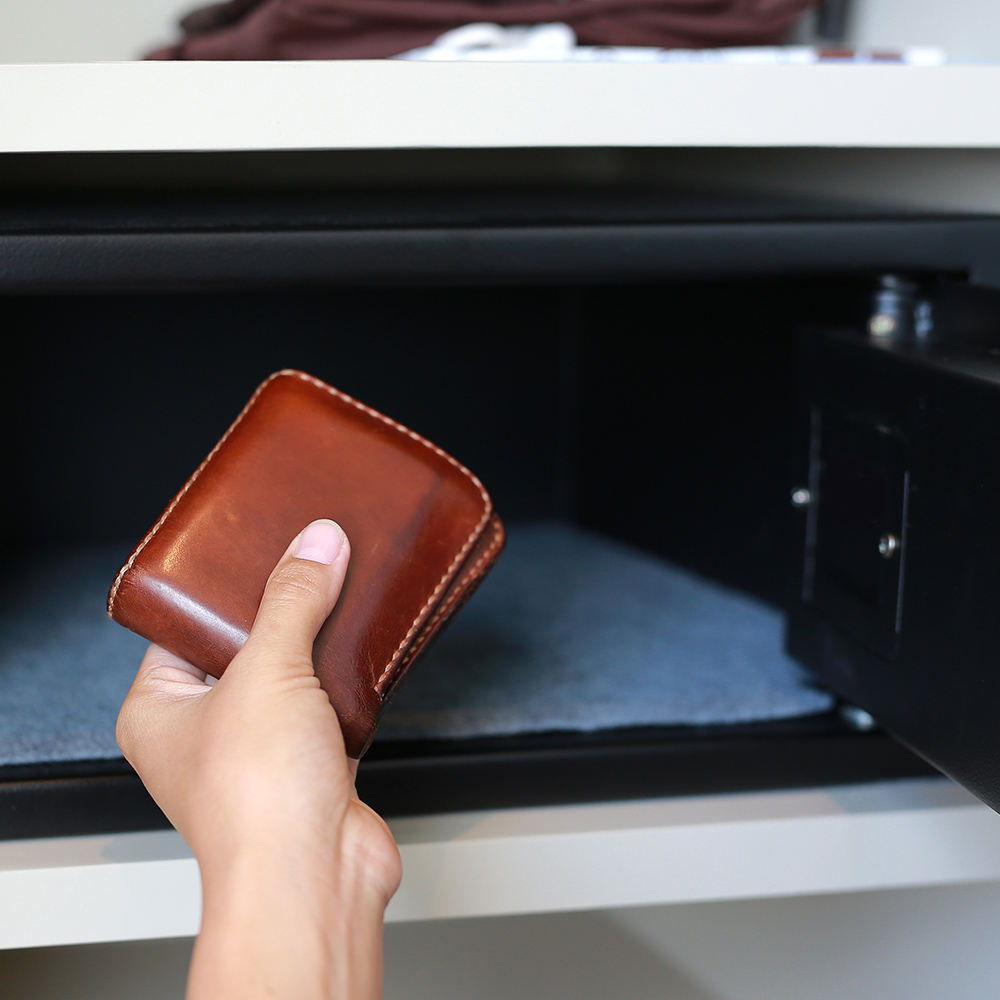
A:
[470,541]
[435,593]
[448,605]
[463,552]
[398,427]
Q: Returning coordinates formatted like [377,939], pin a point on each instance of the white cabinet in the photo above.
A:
[916,832]
[900,135]
[816,893]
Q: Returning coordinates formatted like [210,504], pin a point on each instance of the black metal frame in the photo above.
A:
[920,654]
[550,769]
[188,242]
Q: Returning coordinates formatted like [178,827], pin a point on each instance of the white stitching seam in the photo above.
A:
[448,605]
[463,552]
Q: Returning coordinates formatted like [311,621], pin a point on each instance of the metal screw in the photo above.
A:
[882,325]
[858,718]
[894,306]
[923,320]
[887,546]
[801,497]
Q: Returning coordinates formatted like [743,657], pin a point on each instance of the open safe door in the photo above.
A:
[897,495]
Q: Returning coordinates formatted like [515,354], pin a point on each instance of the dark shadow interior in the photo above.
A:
[656,414]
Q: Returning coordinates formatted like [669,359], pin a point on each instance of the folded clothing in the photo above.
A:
[372,29]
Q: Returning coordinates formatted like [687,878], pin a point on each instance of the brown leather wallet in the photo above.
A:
[422,529]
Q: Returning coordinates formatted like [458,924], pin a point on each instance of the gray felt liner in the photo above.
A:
[569,632]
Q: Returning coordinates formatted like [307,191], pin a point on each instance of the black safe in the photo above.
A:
[689,373]
[899,574]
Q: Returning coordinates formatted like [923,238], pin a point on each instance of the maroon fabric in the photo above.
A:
[372,29]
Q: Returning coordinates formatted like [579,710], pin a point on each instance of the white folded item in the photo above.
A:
[487,42]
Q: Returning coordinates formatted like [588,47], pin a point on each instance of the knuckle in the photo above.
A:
[294,584]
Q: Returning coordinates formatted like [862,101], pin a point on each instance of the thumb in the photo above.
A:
[299,596]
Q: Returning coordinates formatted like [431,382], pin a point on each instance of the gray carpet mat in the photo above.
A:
[569,632]
[64,666]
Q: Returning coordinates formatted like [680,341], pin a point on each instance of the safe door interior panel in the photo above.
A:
[900,547]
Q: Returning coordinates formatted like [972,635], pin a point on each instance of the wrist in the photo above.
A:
[322,878]
[285,922]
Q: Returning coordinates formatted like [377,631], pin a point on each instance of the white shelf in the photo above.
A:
[748,846]
[140,106]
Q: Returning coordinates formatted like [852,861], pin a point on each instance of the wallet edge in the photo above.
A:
[449,605]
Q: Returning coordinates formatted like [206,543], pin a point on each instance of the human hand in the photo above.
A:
[296,870]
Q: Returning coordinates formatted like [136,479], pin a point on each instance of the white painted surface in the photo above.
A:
[380,105]
[123,887]
[912,944]
[910,833]
[85,30]
[699,848]
[935,943]
[968,30]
